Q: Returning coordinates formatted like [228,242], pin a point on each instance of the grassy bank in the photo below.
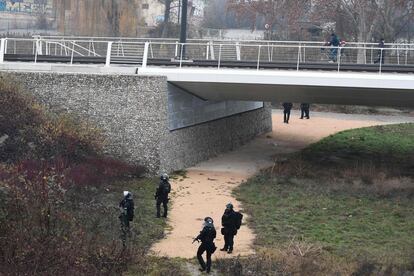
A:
[59,196]
[386,145]
[336,207]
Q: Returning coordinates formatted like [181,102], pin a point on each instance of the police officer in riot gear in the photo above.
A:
[229,230]
[206,236]
[126,207]
[161,195]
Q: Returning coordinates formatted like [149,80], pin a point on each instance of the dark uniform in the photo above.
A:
[161,195]
[229,230]
[206,236]
[381,52]
[286,112]
[126,206]
[304,110]
[334,43]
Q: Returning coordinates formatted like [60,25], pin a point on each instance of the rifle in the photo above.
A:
[194,240]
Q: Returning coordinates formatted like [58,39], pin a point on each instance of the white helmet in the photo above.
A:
[164,176]
[126,193]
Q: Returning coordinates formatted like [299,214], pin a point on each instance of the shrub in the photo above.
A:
[49,166]
[40,235]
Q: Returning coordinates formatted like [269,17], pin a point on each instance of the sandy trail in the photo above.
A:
[207,188]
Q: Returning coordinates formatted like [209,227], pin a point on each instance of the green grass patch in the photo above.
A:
[390,143]
[351,212]
[343,223]
[145,227]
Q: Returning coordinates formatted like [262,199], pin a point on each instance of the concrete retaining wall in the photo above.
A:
[132,112]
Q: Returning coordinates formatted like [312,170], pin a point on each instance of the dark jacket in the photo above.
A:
[163,190]
[127,207]
[228,221]
[287,106]
[207,235]
[334,41]
[304,106]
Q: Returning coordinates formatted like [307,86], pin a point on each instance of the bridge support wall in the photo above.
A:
[132,112]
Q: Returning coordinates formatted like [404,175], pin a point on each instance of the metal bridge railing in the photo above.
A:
[256,54]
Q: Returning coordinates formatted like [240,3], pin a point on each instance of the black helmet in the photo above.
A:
[208,220]
[229,206]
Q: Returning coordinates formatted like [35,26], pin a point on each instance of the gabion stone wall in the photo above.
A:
[132,112]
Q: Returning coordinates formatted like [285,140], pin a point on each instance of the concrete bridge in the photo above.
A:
[166,111]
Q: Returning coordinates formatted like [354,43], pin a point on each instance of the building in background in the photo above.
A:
[27,6]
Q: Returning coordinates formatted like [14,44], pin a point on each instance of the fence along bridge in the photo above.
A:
[242,70]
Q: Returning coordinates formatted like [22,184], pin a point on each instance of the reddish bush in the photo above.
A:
[40,235]
[46,159]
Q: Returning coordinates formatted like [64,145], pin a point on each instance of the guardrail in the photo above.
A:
[210,53]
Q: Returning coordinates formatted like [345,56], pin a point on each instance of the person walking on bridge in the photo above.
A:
[381,52]
[161,195]
[287,107]
[334,43]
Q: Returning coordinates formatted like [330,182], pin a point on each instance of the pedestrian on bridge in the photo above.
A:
[304,110]
[334,43]
[287,107]
[381,52]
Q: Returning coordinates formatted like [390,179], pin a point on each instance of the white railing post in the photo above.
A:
[238,56]
[108,54]
[304,54]
[398,55]
[212,50]
[73,49]
[339,58]
[176,49]
[36,49]
[2,47]
[380,68]
[299,54]
[207,50]
[152,52]
[406,55]
[181,54]
[40,47]
[258,57]
[145,56]
[219,59]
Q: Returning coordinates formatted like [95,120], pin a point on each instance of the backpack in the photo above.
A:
[238,220]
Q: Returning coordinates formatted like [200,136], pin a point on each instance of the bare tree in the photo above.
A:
[284,15]
[365,19]
[167,13]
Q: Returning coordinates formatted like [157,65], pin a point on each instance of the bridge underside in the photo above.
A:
[344,88]
[300,93]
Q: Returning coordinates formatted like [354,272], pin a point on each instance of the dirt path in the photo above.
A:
[207,187]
